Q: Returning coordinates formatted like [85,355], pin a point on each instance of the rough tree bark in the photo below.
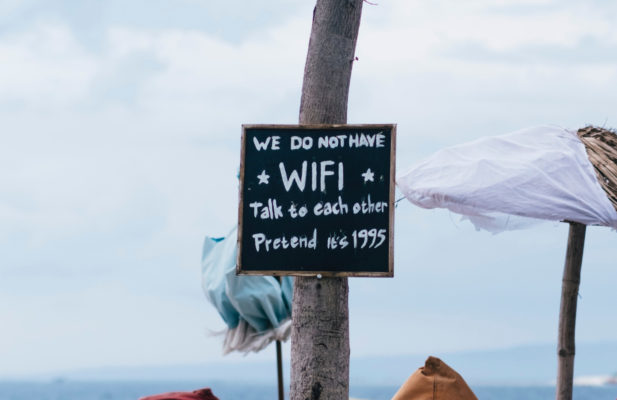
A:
[567,311]
[320,331]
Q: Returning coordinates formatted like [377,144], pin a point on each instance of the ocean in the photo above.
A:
[72,390]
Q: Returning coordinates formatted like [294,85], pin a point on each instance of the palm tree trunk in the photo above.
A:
[320,331]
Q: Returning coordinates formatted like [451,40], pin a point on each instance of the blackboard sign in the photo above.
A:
[316,199]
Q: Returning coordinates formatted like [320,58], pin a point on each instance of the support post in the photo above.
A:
[279,370]
[567,311]
[320,329]
[279,362]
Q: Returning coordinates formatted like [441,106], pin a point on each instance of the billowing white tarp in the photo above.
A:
[507,182]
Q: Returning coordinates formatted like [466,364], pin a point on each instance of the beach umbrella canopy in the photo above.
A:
[514,180]
[256,309]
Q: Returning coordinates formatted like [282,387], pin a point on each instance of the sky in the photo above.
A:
[119,152]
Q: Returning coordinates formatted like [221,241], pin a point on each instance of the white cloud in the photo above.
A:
[44,66]
[418,31]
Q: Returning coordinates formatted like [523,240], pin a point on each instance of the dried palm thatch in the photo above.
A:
[601,146]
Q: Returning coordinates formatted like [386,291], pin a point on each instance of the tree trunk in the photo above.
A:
[567,311]
[320,330]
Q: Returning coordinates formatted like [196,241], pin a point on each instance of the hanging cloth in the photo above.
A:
[256,309]
[511,181]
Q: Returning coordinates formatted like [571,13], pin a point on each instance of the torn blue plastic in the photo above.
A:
[261,301]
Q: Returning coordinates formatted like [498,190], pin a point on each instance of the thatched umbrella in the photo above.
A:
[538,173]
[601,147]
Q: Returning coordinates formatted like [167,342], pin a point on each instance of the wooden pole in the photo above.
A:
[279,362]
[279,369]
[567,311]
[320,329]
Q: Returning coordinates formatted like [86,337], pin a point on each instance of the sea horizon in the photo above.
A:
[530,365]
[133,390]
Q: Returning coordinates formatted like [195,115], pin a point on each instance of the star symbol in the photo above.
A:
[263,177]
[368,176]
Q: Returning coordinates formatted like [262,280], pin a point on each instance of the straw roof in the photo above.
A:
[601,146]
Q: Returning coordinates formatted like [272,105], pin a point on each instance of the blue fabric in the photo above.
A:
[218,259]
[261,301]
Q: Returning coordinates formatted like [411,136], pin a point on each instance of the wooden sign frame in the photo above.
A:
[331,272]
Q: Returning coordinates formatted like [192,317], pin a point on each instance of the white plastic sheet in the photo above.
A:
[510,181]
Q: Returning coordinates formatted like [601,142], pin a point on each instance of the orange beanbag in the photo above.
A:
[435,381]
